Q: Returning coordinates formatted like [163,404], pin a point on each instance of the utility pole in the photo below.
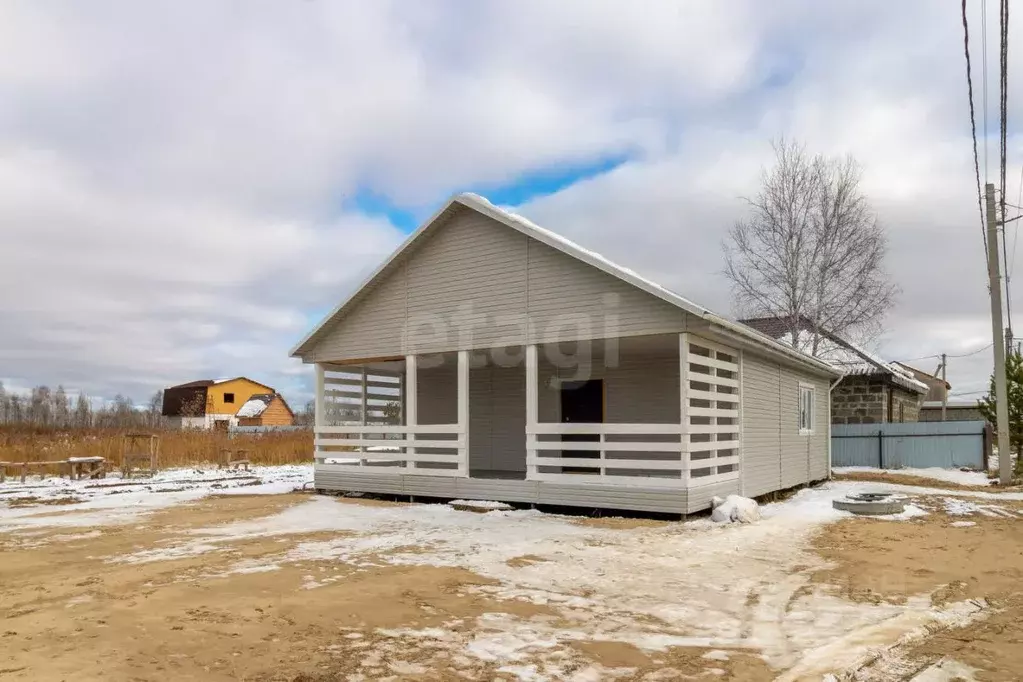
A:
[1008,341]
[944,387]
[1001,389]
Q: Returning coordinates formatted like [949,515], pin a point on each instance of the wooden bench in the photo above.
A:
[233,459]
[86,467]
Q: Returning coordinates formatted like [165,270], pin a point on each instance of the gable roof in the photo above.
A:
[257,404]
[851,359]
[217,382]
[514,221]
[192,384]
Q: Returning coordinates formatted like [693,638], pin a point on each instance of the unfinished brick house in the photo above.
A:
[872,392]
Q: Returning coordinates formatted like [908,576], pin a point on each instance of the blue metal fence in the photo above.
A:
[917,445]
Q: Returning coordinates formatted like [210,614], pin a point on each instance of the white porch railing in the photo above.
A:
[612,457]
[395,447]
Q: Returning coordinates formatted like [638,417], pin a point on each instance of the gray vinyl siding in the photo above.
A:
[775,455]
[761,432]
[437,393]
[795,448]
[375,326]
[475,283]
[347,478]
[569,299]
[468,276]
[497,419]
[642,388]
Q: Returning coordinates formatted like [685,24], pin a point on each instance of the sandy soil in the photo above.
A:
[67,612]
[73,608]
[878,560]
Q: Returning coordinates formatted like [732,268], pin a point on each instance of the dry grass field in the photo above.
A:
[177,448]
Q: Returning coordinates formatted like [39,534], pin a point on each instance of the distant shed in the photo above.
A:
[266,409]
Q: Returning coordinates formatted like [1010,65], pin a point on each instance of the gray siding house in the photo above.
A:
[489,358]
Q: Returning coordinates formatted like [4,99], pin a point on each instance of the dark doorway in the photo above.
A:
[582,402]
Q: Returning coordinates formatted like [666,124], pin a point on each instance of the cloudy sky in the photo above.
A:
[186,187]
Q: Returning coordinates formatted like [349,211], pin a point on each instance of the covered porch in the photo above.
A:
[646,422]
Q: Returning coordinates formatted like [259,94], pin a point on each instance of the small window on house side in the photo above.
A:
[229,397]
[902,413]
[806,405]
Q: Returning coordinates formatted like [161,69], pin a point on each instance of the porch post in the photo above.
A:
[319,397]
[683,406]
[362,436]
[463,412]
[411,413]
[532,410]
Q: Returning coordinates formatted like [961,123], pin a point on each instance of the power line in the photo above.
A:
[973,129]
[983,80]
[938,357]
[1003,84]
[973,352]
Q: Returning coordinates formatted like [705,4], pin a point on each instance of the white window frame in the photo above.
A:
[804,390]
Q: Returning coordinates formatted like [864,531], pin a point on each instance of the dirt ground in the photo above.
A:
[70,612]
[877,560]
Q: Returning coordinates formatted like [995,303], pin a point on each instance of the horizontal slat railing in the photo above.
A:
[607,462]
[366,445]
[607,429]
[711,459]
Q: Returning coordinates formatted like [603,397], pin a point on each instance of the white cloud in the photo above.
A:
[175,177]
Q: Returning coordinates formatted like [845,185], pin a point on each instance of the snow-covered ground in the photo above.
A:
[63,502]
[937,473]
[699,583]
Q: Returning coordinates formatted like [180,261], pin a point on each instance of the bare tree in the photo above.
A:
[61,412]
[811,251]
[3,404]
[83,412]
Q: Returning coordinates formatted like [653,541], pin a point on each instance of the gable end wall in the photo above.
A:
[475,283]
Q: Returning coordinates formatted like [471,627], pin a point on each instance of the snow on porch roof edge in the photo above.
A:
[567,246]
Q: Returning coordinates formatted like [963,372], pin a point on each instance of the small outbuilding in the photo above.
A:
[491,359]
[265,409]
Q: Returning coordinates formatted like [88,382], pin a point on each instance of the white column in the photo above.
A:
[683,405]
[742,427]
[411,413]
[319,396]
[463,412]
[362,436]
[532,409]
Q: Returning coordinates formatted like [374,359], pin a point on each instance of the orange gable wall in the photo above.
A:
[243,389]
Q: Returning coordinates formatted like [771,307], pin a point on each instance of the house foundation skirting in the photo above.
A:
[346,478]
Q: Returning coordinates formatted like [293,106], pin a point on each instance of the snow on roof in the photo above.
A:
[853,360]
[565,245]
[255,405]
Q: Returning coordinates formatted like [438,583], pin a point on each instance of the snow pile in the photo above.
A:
[957,476]
[480,505]
[734,508]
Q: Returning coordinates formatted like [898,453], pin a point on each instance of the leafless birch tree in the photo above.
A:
[811,250]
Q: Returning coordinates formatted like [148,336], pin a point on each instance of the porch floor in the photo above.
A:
[347,478]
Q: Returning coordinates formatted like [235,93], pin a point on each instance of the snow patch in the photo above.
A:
[958,476]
